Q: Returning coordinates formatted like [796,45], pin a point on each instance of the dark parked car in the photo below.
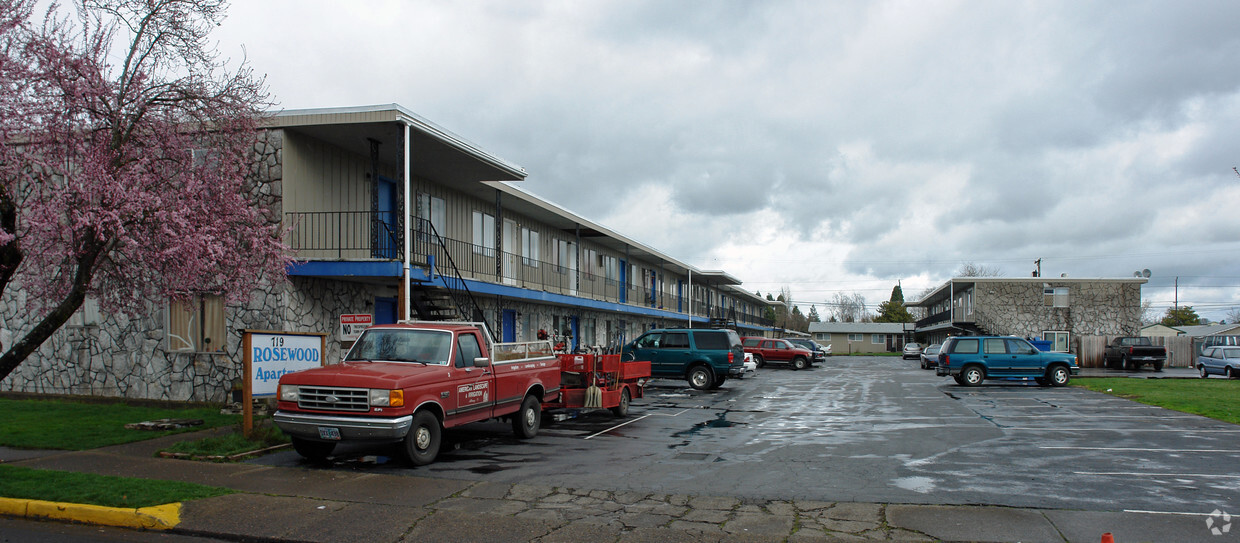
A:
[705,358]
[930,356]
[820,354]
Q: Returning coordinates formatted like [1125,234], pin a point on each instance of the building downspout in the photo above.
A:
[406,304]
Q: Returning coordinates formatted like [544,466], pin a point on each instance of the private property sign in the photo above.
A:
[351,326]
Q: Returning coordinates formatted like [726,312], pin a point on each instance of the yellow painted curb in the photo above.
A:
[158,517]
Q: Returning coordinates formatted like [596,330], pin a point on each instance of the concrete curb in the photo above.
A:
[157,517]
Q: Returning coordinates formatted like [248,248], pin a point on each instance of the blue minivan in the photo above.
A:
[972,359]
[705,357]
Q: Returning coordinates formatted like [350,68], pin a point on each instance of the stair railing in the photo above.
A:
[464,299]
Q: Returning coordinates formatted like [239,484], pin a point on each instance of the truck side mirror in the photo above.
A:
[482,362]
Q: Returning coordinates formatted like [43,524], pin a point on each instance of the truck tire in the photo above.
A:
[972,376]
[700,377]
[798,363]
[315,451]
[422,442]
[719,381]
[758,361]
[1058,375]
[1158,366]
[525,422]
[622,410]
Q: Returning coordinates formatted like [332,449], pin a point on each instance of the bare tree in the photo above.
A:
[849,307]
[971,269]
[1233,315]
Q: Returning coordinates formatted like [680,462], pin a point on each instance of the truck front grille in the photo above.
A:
[333,399]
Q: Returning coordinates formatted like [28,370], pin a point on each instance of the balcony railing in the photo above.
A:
[367,235]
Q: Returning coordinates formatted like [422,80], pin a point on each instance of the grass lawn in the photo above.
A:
[88,488]
[1215,398]
[230,444]
[70,425]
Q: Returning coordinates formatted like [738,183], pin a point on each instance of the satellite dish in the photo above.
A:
[1136,274]
[1145,273]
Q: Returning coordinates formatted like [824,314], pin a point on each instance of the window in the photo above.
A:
[1059,340]
[559,255]
[431,210]
[467,350]
[1055,296]
[529,247]
[994,346]
[676,340]
[752,342]
[610,267]
[878,339]
[965,346]
[87,315]
[823,336]
[484,234]
[591,258]
[712,340]
[856,337]
[197,325]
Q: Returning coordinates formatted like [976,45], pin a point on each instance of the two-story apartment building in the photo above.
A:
[1055,309]
[393,216]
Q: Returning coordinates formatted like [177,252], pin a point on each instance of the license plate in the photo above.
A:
[326,432]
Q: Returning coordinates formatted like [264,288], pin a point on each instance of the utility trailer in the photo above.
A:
[597,381]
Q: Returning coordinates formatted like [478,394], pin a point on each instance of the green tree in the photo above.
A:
[893,310]
[1181,316]
[813,314]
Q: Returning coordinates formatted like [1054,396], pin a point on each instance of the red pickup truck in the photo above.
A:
[407,382]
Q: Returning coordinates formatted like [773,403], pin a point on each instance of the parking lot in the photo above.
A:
[866,429]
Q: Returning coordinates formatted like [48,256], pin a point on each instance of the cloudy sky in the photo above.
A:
[824,146]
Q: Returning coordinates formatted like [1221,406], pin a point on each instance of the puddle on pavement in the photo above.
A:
[923,485]
[720,421]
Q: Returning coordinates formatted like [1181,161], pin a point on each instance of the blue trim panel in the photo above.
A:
[346,268]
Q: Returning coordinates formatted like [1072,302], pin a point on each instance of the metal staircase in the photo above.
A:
[445,296]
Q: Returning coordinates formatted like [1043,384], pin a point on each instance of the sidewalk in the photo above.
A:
[312,505]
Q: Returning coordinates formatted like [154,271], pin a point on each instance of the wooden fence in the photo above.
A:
[1181,352]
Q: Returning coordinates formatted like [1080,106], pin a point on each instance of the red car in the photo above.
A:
[777,351]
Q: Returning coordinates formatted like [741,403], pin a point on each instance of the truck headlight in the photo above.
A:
[380,397]
[289,393]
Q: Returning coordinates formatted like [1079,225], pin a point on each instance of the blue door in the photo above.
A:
[385,230]
[508,326]
[385,310]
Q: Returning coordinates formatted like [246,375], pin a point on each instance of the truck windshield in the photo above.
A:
[403,345]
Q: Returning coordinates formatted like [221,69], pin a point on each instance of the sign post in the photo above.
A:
[267,355]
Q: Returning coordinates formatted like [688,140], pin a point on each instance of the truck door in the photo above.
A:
[1026,360]
[998,361]
[473,392]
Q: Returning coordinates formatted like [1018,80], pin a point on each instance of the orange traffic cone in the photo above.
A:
[1107,538]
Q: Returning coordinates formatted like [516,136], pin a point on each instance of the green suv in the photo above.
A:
[704,357]
[972,359]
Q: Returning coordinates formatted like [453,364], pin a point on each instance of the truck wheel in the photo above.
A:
[1059,376]
[628,356]
[1158,366]
[1128,364]
[316,451]
[758,361]
[972,376]
[719,381]
[525,422]
[701,377]
[798,363]
[622,410]
[422,441]
[959,380]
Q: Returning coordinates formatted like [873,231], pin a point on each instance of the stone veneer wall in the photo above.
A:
[1094,308]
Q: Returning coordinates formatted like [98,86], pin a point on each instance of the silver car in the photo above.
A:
[912,350]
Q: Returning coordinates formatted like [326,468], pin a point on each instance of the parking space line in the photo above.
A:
[1168,513]
[1141,474]
[1178,430]
[1140,449]
[616,426]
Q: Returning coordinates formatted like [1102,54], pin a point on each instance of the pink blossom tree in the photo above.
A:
[127,167]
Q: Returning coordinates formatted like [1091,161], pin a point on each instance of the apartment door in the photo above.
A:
[384,224]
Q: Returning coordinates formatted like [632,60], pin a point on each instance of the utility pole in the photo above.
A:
[1039,263]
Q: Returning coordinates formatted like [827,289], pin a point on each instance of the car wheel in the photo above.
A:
[525,422]
[701,377]
[628,356]
[1202,370]
[758,360]
[315,451]
[798,363]
[959,379]
[972,376]
[422,441]
[622,410]
[1228,373]
[719,381]
[1059,376]
[1042,381]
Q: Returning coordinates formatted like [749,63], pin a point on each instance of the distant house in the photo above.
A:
[860,337]
[1204,330]
[1051,308]
[1160,330]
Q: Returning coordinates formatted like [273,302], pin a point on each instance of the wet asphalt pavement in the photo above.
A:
[863,429]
